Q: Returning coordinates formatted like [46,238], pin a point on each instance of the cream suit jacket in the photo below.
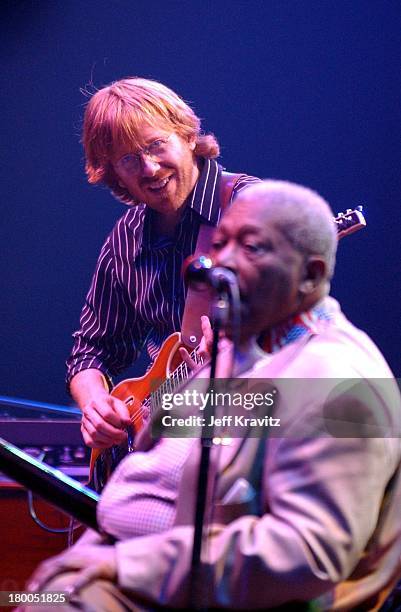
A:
[318,516]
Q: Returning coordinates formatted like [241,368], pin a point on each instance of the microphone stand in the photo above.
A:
[220,310]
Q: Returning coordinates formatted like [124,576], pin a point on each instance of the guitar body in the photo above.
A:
[134,392]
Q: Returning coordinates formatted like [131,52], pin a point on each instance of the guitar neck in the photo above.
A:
[176,378]
[50,484]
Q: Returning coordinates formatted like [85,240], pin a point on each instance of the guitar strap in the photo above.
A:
[197,302]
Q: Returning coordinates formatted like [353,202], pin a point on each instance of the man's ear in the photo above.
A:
[315,274]
[192,142]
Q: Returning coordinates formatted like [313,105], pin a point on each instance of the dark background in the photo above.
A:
[307,91]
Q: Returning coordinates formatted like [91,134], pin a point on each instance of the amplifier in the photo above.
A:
[48,432]
[37,432]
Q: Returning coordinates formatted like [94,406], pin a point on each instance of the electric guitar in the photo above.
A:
[143,395]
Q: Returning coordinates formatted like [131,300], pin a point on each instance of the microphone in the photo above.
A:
[199,272]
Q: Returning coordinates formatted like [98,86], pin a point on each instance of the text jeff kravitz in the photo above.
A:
[225,421]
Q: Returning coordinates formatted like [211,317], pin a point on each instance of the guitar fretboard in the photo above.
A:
[153,401]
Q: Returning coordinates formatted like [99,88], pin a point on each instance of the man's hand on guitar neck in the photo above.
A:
[103,417]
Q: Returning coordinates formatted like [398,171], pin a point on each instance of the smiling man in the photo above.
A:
[145,143]
[307,517]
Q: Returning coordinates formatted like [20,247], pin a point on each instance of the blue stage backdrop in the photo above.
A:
[302,90]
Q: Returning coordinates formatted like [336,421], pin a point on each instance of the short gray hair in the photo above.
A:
[302,215]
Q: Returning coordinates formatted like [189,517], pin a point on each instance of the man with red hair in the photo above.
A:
[145,143]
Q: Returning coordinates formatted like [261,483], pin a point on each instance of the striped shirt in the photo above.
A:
[137,295]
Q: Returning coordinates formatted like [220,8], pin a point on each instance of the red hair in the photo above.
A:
[114,116]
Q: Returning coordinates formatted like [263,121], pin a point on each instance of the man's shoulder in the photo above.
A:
[232,184]
[129,225]
[241,181]
[125,239]
[335,349]
[132,219]
[342,349]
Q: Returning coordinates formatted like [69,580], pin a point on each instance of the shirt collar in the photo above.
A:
[308,322]
[205,198]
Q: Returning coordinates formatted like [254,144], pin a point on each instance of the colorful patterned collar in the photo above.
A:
[296,327]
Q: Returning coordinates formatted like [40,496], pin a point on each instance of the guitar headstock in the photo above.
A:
[349,222]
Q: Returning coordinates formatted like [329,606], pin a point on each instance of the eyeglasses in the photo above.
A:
[131,162]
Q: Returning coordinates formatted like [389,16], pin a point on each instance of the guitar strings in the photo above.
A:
[181,373]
